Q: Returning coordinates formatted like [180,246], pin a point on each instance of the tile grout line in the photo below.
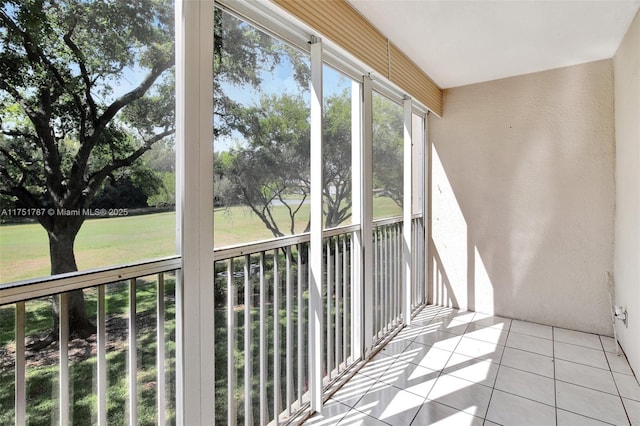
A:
[615,383]
[493,388]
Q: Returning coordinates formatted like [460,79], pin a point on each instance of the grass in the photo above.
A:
[24,248]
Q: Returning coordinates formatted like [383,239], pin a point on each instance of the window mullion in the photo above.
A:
[407,212]
[316,264]
[194,216]
[367,210]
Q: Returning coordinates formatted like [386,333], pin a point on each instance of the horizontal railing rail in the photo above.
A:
[40,287]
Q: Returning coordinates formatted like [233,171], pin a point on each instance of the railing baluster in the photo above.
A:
[415,265]
[20,372]
[231,346]
[420,264]
[160,348]
[399,268]
[289,331]
[345,300]
[248,364]
[354,287]
[276,339]
[263,345]
[133,356]
[300,325]
[376,278]
[329,350]
[390,265]
[338,300]
[63,316]
[102,357]
[396,278]
[381,281]
[385,298]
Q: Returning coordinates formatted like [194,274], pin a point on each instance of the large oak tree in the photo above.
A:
[85,90]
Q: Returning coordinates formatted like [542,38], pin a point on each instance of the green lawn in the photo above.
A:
[112,241]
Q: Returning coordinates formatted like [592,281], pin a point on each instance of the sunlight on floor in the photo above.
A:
[464,368]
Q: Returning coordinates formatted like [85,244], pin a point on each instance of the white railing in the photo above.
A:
[50,375]
[265,286]
[387,276]
[261,331]
[260,364]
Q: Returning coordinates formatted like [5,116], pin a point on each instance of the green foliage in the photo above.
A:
[241,54]
[275,160]
[166,194]
[388,140]
[337,187]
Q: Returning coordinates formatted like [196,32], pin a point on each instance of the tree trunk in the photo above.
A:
[61,240]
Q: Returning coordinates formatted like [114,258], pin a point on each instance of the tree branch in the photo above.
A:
[101,123]
[84,74]
[134,94]
[274,230]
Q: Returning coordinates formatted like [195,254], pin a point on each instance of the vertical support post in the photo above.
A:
[133,355]
[366,214]
[194,212]
[21,389]
[63,316]
[357,266]
[420,197]
[426,211]
[102,357]
[406,213]
[315,284]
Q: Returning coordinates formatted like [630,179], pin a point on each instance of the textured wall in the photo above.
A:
[522,197]
[627,229]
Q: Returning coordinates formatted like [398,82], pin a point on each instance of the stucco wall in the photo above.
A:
[627,219]
[522,197]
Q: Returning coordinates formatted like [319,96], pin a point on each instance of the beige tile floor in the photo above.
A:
[464,368]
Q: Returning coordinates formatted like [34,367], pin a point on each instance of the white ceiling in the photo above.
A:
[463,42]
